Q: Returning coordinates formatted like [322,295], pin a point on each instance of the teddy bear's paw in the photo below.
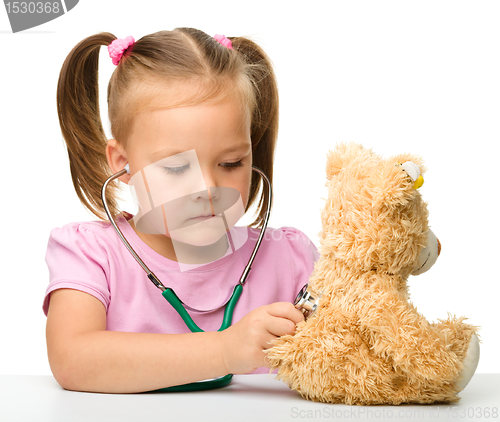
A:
[470,363]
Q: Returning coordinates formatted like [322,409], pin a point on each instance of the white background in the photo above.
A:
[396,76]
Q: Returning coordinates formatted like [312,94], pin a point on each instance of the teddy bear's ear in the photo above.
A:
[413,166]
[343,155]
[403,158]
[397,180]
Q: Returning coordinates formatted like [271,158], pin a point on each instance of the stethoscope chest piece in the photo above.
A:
[306,303]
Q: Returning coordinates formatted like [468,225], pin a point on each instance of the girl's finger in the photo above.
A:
[285,310]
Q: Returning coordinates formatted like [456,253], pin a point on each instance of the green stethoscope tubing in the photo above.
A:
[174,300]
[226,322]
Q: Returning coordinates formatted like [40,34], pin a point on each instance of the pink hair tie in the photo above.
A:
[118,47]
[222,39]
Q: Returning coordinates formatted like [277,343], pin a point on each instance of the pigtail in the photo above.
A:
[81,126]
[265,119]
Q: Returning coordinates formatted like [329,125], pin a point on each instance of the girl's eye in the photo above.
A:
[176,170]
[232,166]
[182,169]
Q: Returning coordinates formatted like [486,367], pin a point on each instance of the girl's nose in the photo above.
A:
[210,192]
[210,182]
[209,179]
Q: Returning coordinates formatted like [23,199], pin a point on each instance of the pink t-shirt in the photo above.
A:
[89,256]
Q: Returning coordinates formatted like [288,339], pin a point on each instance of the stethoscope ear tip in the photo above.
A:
[127,168]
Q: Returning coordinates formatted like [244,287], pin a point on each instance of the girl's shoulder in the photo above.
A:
[78,257]
[89,235]
[82,226]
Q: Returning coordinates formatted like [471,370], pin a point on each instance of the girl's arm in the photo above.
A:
[83,356]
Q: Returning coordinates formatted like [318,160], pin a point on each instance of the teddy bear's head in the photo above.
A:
[375,218]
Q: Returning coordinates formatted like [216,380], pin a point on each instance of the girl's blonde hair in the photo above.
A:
[180,67]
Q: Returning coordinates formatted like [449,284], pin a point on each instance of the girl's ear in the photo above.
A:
[343,155]
[117,159]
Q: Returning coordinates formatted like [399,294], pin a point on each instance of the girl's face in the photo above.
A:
[162,144]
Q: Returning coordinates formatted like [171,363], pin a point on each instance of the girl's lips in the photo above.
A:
[205,217]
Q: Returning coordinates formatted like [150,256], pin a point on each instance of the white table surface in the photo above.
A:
[247,398]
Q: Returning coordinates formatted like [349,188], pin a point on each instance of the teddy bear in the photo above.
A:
[366,343]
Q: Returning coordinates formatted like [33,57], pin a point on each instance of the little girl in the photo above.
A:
[108,327]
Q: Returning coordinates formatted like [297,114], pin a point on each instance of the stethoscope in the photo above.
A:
[304,301]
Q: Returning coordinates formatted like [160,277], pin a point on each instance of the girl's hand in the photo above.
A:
[243,344]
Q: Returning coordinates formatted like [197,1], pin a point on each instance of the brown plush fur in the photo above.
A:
[366,343]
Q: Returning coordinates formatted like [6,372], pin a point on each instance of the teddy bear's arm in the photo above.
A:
[397,331]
